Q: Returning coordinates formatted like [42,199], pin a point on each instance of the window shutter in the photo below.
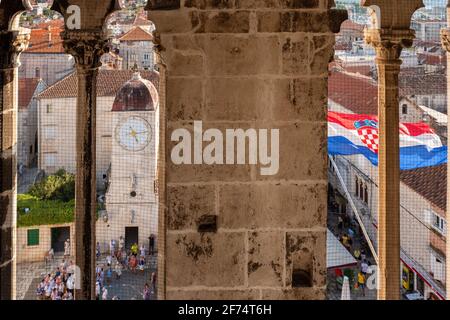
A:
[33,237]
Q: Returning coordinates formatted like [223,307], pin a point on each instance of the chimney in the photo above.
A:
[49,33]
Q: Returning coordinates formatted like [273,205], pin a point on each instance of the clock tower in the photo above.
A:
[130,201]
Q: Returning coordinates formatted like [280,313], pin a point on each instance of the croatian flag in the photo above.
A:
[350,134]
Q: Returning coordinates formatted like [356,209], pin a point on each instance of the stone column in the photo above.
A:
[86,47]
[445,37]
[390,34]
[11,44]
[232,232]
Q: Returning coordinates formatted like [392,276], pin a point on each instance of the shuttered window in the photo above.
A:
[33,237]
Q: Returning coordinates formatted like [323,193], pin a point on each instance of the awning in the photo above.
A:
[337,255]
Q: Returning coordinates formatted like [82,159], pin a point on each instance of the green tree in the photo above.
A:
[59,186]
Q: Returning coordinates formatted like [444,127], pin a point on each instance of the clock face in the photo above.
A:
[134,133]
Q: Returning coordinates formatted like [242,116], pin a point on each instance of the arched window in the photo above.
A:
[366,195]
[361,190]
[405,109]
[357,187]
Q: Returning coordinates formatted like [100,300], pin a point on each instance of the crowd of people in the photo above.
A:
[346,229]
[60,284]
[117,260]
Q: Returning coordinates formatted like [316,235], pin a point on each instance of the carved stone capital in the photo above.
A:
[445,39]
[389,44]
[12,43]
[86,46]
[394,15]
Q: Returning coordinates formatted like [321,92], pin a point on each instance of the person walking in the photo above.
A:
[362,283]
[151,243]
[118,270]
[146,293]
[134,249]
[153,282]
[67,249]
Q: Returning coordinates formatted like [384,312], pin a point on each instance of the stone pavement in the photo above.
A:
[128,287]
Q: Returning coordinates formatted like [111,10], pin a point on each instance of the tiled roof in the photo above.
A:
[137,34]
[432,59]
[422,83]
[429,182]
[108,84]
[349,25]
[46,40]
[354,92]
[27,87]
[359,92]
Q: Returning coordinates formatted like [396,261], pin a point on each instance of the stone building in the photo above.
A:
[219,241]
[131,200]
[45,57]
[57,115]
[27,148]
[136,47]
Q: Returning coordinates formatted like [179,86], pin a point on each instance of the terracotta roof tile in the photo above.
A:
[429,182]
[27,87]
[137,34]
[108,84]
[354,92]
[46,40]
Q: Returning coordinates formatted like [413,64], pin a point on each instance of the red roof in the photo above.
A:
[349,25]
[27,87]
[46,40]
[357,93]
[109,83]
[429,182]
[137,34]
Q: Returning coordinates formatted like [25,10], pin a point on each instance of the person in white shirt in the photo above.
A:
[105,294]
[364,267]
[142,251]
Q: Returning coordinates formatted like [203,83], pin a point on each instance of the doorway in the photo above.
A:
[131,236]
[59,236]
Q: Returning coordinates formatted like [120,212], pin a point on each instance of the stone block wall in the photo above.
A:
[247,64]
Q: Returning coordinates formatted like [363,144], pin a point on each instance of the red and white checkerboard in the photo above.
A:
[369,136]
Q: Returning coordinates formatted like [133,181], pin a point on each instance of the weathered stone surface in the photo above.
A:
[209,4]
[283,4]
[224,22]
[296,55]
[295,21]
[186,99]
[174,21]
[237,99]
[294,294]
[207,259]
[306,251]
[289,206]
[303,155]
[183,63]
[266,265]
[299,99]
[242,55]
[188,203]
[322,53]
[202,294]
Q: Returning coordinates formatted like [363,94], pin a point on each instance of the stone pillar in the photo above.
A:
[85,40]
[233,233]
[389,36]
[11,44]
[86,47]
[445,37]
